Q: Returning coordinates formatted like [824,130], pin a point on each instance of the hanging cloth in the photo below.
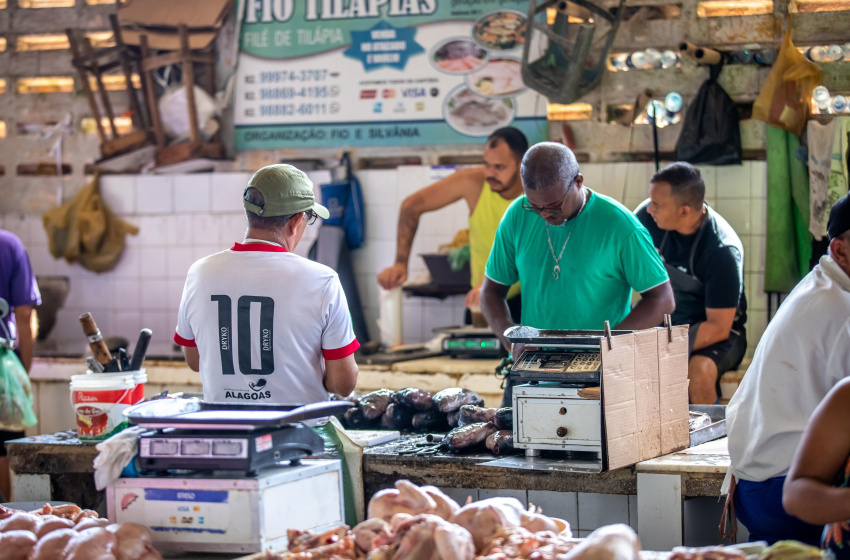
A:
[85,230]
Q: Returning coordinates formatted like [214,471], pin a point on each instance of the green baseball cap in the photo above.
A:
[286,189]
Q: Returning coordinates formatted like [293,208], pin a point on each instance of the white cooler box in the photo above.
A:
[215,512]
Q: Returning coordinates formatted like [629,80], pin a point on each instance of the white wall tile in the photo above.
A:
[179,230]
[154,262]
[119,193]
[124,293]
[231,228]
[563,505]
[736,213]
[154,294]
[43,263]
[127,321]
[204,229]
[178,260]
[709,177]
[128,264]
[633,512]
[460,495]
[154,194]
[193,193]
[521,495]
[153,230]
[594,174]
[227,191]
[596,510]
[36,232]
[758,179]
[758,209]
[162,323]
[733,181]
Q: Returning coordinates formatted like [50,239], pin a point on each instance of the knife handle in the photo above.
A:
[95,338]
[140,349]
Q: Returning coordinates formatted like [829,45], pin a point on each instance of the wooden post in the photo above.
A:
[138,115]
[189,83]
[150,94]
[104,96]
[75,51]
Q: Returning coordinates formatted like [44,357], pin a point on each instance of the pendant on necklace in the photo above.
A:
[556,271]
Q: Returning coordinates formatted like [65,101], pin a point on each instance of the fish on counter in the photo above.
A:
[397,417]
[500,443]
[453,418]
[449,400]
[353,418]
[504,418]
[375,403]
[429,420]
[468,436]
[472,414]
[412,397]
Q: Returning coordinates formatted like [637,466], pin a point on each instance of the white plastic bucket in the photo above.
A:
[140,377]
[99,400]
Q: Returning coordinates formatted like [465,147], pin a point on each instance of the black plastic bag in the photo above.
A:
[711,133]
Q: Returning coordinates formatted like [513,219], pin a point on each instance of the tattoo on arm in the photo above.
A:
[408,222]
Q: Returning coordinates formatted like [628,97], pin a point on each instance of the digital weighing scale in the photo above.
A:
[472,342]
[223,477]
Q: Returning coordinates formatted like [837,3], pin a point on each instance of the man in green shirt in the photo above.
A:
[577,254]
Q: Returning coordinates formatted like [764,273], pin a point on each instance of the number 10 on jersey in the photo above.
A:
[264,338]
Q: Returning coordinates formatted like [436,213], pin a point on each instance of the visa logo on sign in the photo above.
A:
[413,92]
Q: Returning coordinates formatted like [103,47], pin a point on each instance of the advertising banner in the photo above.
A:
[327,73]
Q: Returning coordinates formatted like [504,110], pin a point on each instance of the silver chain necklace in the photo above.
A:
[556,272]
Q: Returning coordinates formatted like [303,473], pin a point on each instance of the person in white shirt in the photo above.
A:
[804,352]
[262,324]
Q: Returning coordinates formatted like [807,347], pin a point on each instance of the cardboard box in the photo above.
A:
[159,20]
[644,395]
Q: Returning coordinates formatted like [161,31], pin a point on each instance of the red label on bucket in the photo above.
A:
[100,413]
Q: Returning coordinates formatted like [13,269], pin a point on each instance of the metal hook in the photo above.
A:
[608,334]
[668,322]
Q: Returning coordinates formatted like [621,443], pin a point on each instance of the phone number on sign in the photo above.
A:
[293,76]
[291,92]
[287,109]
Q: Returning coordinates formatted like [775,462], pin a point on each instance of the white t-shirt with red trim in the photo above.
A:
[263,319]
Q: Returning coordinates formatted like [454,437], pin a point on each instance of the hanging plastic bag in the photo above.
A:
[344,201]
[711,133]
[784,100]
[16,399]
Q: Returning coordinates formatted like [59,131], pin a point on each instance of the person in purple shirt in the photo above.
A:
[19,289]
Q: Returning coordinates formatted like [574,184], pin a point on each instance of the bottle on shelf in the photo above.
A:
[834,53]
[820,96]
[839,104]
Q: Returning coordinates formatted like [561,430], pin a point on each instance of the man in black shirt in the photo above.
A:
[705,261]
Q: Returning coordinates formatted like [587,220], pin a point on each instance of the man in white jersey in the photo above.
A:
[259,322]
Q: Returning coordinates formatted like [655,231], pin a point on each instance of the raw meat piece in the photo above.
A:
[397,417]
[707,553]
[50,547]
[50,523]
[611,542]
[504,419]
[471,414]
[468,436]
[89,523]
[375,403]
[20,521]
[449,400]
[446,507]
[404,498]
[365,533]
[353,418]
[453,418]
[16,544]
[414,398]
[501,442]
[301,541]
[92,544]
[697,420]
[485,518]
[420,536]
[428,420]
[134,541]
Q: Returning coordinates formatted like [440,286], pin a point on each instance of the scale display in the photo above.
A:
[568,367]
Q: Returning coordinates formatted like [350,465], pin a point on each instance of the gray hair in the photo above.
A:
[547,165]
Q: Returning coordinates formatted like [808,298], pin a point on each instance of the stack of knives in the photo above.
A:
[102,360]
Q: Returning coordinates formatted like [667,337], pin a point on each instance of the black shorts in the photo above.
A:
[727,354]
[5,436]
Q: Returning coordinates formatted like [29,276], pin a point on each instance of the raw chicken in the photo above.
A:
[134,541]
[485,518]
[16,544]
[5,512]
[89,523]
[20,521]
[428,537]
[611,542]
[468,436]
[50,523]
[68,511]
[405,498]
[367,532]
[707,553]
[446,507]
[537,523]
[93,544]
[50,547]
[520,543]
[301,541]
